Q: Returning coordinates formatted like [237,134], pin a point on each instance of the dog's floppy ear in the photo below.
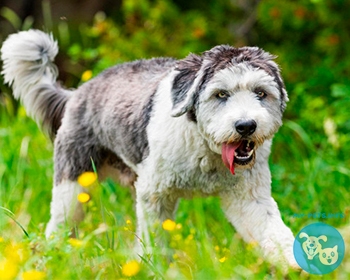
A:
[185,84]
[303,235]
[323,237]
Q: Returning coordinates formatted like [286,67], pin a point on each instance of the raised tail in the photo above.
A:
[28,67]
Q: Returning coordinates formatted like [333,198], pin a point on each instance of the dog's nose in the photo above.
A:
[245,127]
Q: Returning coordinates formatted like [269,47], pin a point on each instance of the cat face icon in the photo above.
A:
[329,256]
[311,245]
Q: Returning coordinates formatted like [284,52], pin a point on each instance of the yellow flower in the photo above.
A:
[33,275]
[252,245]
[87,75]
[8,270]
[131,268]
[16,253]
[75,242]
[87,179]
[1,239]
[169,225]
[223,259]
[83,197]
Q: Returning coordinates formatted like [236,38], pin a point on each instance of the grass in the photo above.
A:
[202,244]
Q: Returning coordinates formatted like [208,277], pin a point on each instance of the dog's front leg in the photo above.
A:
[257,218]
[152,208]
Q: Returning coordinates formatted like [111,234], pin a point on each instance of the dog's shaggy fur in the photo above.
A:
[170,128]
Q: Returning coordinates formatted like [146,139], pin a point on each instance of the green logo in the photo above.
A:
[319,248]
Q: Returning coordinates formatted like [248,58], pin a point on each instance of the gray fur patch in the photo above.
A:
[109,113]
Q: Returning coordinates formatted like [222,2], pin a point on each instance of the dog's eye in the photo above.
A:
[261,94]
[222,95]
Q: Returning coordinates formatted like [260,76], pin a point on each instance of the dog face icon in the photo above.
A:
[329,256]
[311,245]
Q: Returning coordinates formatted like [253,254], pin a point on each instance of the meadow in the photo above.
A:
[201,243]
[310,161]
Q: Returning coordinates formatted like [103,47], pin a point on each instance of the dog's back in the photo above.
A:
[120,98]
[28,67]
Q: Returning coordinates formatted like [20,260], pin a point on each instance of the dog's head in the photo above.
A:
[235,95]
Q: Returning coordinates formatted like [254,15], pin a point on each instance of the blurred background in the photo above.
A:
[311,38]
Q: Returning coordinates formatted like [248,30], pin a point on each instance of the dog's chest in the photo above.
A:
[187,167]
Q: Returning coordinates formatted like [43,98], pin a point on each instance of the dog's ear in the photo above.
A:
[185,84]
[323,237]
[303,235]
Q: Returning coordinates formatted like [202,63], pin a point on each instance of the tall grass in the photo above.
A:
[202,246]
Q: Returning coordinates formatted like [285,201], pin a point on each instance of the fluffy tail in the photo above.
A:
[28,67]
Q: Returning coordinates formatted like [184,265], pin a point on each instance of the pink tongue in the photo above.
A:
[228,155]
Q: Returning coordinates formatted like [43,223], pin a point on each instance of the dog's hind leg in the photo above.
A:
[75,149]
[65,208]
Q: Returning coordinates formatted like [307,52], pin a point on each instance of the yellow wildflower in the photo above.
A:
[1,239]
[83,197]
[169,225]
[8,269]
[75,242]
[131,268]
[33,275]
[252,245]
[15,252]
[87,179]
[87,75]
[178,226]
[223,259]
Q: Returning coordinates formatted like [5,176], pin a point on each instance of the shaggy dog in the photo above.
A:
[170,128]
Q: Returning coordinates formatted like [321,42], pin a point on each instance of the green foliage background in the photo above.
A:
[310,159]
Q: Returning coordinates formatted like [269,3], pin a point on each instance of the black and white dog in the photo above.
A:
[170,128]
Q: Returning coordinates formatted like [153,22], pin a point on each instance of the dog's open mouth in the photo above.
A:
[239,153]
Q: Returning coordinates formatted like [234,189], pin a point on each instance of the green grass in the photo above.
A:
[204,245]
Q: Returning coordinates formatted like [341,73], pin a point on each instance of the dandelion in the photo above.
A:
[15,252]
[33,275]
[87,179]
[75,242]
[87,75]
[131,268]
[169,225]
[83,197]
[252,245]
[8,269]
[223,259]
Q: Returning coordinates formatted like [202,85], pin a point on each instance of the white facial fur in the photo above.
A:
[217,118]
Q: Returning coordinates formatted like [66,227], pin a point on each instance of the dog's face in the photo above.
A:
[237,98]
[312,242]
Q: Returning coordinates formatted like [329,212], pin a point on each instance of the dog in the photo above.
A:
[169,128]
[311,245]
